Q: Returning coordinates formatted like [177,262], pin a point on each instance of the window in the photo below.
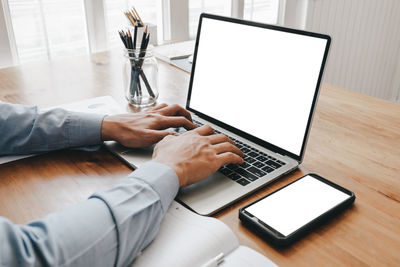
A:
[256,10]
[261,10]
[196,7]
[115,18]
[47,29]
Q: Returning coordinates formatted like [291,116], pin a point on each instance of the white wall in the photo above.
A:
[365,51]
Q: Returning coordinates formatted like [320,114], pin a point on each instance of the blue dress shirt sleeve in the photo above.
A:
[26,130]
[109,229]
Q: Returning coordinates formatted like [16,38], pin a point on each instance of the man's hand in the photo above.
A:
[145,128]
[196,154]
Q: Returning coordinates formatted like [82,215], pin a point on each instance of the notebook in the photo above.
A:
[173,51]
[177,54]
[187,239]
[257,84]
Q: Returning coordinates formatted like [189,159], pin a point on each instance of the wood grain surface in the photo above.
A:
[354,141]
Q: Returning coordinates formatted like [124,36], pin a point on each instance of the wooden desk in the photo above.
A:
[354,141]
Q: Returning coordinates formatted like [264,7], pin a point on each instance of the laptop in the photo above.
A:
[258,84]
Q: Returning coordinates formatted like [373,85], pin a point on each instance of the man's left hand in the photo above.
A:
[145,128]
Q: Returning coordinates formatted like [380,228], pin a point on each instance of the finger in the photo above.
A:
[204,130]
[176,122]
[175,110]
[157,136]
[229,158]
[227,147]
[219,138]
[163,105]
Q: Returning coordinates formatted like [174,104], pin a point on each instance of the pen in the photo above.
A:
[214,262]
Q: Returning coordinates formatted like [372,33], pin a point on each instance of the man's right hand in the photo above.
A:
[196,154]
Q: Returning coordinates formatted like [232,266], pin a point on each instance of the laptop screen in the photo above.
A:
[261,80]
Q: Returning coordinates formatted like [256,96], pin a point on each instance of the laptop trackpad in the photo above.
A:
[209,195]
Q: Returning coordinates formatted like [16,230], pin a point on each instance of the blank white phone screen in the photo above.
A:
[297,204]
[258,80]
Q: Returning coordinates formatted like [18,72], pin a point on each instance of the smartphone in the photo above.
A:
[290,212]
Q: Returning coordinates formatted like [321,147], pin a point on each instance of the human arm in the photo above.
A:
[28,130]
[115,225]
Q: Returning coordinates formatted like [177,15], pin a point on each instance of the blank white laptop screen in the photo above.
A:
[258,80]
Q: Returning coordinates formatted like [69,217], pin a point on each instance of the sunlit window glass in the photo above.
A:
[48,29]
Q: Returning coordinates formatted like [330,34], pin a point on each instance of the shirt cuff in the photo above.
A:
[84,128]
[137,206]
[161,178]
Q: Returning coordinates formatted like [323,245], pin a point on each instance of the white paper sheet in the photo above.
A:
[188,239]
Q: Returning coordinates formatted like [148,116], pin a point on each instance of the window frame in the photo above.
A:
[171,15]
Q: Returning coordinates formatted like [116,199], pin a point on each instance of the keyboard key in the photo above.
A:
[273,164]
[256,171]
[262,158]
[268,169]
[245,150]
[197,123]
[225,171]
[246,174]
[258,164]
[245,165]
[249,160]
[232,166]
[253,154]
[234,176]
[243,182]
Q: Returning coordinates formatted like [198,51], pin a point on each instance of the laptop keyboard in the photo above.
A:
[256,163]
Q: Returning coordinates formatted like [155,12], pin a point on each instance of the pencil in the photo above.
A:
[130,40]
[142,45]
[135,18]
[139,87]
[122,38]
[147,41]
[130,18]
[134,38]
[146,82]
[137,14]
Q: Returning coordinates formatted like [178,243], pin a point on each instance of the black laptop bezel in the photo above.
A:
[236,131]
